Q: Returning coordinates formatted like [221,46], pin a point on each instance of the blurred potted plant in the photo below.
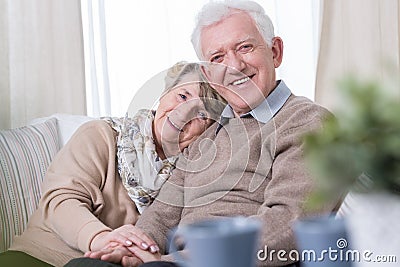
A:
[358,151]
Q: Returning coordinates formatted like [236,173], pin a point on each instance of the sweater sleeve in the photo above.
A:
[72,187]
[289,185]
[165,212]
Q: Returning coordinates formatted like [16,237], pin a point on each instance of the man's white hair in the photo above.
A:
[214,12]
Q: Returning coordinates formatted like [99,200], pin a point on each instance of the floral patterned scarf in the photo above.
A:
[141,170]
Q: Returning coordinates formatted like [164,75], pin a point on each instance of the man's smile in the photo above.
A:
[242,80]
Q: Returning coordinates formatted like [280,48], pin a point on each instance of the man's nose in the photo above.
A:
[235,62]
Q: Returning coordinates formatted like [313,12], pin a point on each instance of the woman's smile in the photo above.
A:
[174,125]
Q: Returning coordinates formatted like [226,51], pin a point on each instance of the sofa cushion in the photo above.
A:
[25,154]
[66,123]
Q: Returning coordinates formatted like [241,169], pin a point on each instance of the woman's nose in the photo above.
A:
[188,110]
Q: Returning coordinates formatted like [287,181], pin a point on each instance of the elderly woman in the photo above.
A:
[111,170]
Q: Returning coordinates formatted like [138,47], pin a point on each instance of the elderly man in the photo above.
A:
[251,162]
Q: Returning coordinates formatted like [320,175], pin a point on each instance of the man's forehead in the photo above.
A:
[217,39]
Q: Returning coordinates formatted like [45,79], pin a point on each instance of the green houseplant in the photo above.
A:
[359,148]
[358,151]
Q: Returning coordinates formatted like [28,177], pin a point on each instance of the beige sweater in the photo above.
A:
[82,196]
[248,169]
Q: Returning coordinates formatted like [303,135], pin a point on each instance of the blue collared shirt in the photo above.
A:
[265,111]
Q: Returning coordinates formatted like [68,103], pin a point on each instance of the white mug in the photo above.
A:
[227,242]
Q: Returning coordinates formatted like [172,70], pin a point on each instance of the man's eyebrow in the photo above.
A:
[246,39]
[240,41]
[211,53]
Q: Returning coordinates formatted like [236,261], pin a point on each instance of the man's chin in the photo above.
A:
[240,109]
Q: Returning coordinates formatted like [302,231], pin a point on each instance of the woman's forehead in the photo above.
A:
[190,87]
[189,78]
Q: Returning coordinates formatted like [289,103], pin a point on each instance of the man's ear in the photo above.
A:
[277,51]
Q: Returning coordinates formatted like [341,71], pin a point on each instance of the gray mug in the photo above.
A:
[227,242]
[322,241]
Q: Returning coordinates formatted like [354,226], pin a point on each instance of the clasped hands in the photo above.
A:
[126,245]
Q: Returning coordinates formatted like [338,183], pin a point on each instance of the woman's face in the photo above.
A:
[180,118]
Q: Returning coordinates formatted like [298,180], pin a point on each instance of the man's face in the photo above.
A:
[245,74]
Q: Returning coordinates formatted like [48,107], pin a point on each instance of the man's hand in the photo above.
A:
[144,255]
[125,235]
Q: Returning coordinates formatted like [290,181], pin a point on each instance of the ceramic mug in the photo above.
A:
[322,241]
[227,242]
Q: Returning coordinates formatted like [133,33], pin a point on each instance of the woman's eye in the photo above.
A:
[202,115]
[184,97]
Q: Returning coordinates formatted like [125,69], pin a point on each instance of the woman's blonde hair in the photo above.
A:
[176,75]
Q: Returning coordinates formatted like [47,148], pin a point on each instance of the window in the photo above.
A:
[129,42]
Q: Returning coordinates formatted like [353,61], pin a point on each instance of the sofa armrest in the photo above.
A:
[25,154]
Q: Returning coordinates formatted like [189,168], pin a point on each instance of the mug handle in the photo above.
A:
[173,248]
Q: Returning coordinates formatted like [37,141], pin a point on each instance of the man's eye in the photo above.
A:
[246,48]
[182,96]
[217,59]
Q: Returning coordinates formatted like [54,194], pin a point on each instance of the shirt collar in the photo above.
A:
[265,111]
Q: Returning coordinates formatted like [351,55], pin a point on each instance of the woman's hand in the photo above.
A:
[126,256]
[116,253]
[125,235]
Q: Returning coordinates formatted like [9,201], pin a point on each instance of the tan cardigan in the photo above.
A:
[248,169]
[82,196]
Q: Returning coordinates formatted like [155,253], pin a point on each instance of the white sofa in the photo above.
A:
[25,154]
